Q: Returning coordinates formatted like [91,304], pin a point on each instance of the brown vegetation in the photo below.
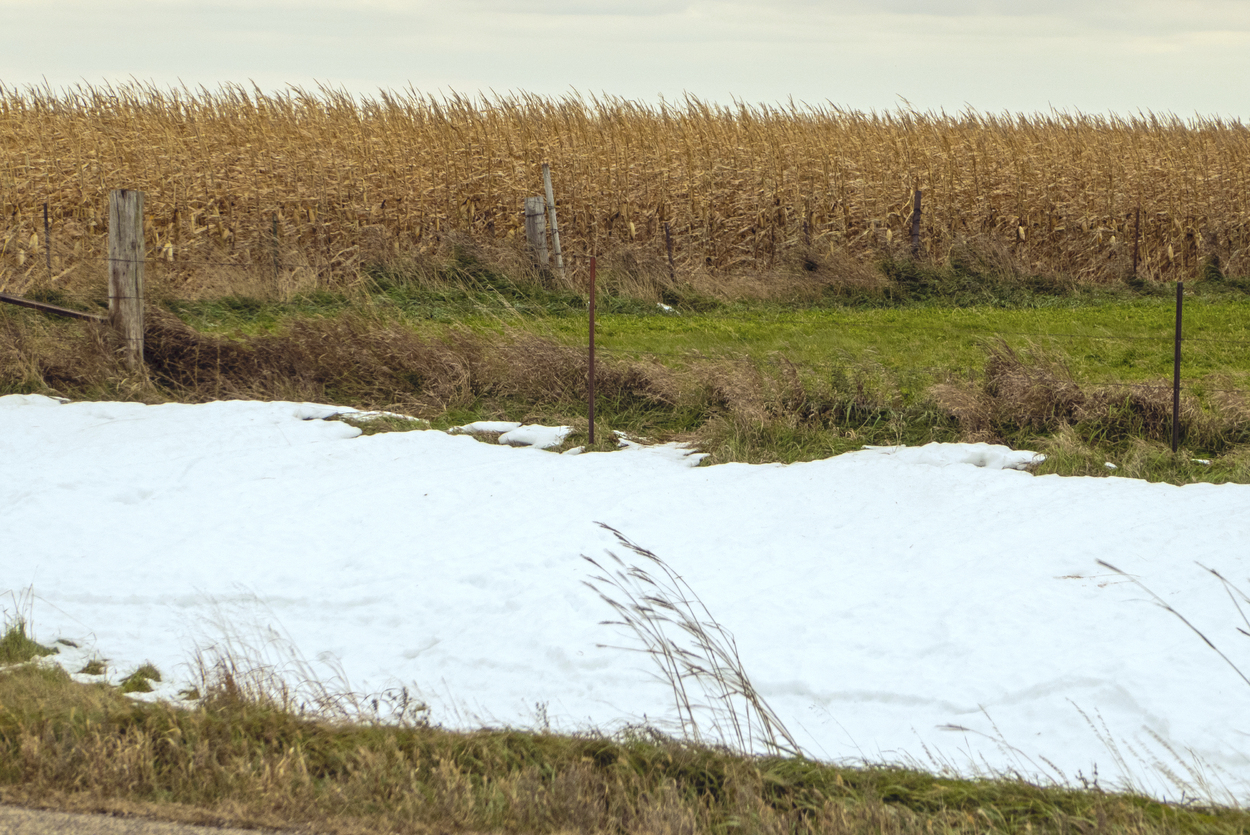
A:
[302,188]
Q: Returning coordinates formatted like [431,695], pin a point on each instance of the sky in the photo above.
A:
[1186,57]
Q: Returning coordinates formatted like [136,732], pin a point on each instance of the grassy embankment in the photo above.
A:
[246,756]
[1080,372]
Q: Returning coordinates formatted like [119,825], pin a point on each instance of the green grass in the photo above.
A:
[140,681]
[17,647]
[721,373]
[94,667]
[1119,337]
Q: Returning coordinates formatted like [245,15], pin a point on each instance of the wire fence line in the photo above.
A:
[164,256]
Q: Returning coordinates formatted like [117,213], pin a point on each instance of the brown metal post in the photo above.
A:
[590,387]
[1176,370]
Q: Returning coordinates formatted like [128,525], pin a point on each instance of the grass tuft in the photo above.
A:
[94,667]
[140,681]
[17,647]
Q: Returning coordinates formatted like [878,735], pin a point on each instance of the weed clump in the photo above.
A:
[94,667]
[17,647]
[140,681]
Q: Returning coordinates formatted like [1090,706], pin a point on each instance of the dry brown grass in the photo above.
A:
[242,758]
[747,191]
[1034,391]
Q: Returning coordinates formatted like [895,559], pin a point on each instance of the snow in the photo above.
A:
[542,437]
[479,427]
[993,456]
[934,605]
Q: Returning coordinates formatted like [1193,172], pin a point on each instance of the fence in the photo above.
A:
[127,257]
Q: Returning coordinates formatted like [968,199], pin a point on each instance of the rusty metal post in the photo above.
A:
[1176,370]
[590,380]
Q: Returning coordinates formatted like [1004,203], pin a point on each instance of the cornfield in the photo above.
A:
[326,183]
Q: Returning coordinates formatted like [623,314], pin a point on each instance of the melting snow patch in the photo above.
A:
[358,414]
[484,427]
[543,437]
[988,456]
[15,401]
[315,411]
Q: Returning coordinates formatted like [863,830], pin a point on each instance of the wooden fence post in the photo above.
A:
[126,257]
[536,228]
[551,213]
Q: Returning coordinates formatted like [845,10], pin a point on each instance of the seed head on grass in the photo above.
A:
[715,699]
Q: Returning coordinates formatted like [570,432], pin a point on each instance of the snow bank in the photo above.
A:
[933,605]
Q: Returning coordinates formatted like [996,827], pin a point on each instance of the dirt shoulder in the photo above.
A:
[18,820]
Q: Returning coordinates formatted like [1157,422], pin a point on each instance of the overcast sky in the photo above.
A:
[1121,56]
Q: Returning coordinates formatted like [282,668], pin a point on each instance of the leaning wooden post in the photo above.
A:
[536,228]
[551,215]
[126,271]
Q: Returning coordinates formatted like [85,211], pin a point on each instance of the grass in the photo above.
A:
[16,647]
[744,381]
[244,755]
[140,681]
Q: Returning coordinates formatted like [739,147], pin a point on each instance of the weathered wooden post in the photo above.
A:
[126,257]
[536,228]
[551,215]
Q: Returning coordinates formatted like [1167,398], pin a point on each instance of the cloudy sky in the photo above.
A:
[1181,56]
